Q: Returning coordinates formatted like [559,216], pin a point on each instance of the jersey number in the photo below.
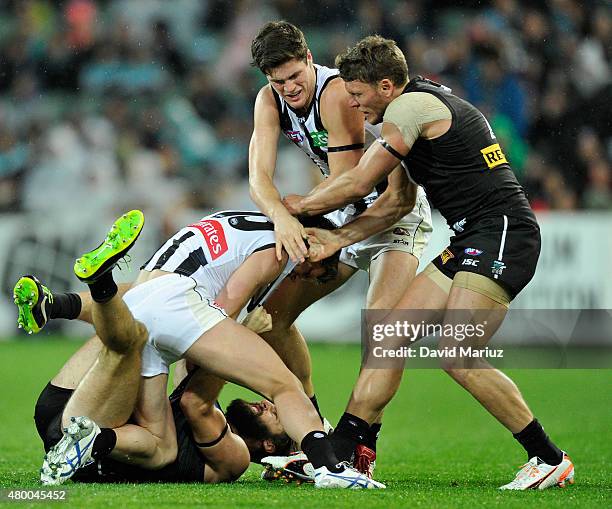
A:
[245,221]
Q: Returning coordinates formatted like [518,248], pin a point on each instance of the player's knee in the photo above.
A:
[131,340]
[141,334]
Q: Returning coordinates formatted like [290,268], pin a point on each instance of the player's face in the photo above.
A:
[295,82]
[267,416]
[309,270]
[367,99]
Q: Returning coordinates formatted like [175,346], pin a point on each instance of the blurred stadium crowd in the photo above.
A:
[148,103]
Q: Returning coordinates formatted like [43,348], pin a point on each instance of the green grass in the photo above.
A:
[438,447]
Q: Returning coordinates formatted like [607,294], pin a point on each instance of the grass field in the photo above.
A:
[438,447]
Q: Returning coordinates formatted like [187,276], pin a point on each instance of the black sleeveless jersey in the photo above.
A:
[464,171]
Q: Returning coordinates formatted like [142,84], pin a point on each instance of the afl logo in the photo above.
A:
[295,136]
[471,251]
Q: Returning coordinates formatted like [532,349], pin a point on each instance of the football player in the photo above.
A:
[172,305]
[308,104]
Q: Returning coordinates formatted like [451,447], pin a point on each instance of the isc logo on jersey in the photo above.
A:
[493,155]
[214,236]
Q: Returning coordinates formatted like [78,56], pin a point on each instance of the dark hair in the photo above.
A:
[330,264]
[246,424]
[372,59]
[276,43]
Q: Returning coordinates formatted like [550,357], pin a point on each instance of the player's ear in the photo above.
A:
[268,446]
[385,86]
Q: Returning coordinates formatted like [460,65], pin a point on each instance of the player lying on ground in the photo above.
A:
[309,105]
[101,381]
[215,454]
[231,255]
[449,148]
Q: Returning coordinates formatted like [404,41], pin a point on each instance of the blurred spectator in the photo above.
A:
[151,101]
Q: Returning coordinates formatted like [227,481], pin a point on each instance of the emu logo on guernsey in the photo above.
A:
[493,156]
[214,236]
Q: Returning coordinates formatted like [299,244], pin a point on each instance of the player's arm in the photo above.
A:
[398,200]
[345,131]
[289,232]
[226,454]
[377,163]
[256,272]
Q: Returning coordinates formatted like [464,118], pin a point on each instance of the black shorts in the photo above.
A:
[503,248]
[188,467]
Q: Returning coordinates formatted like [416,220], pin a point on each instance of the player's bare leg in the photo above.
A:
[254,364]
[285,305]
[85,313]
[122,337]
[548,465]
[107,393]
[494,390]
[391,273]
[156,431]
[376,387]
[149,444]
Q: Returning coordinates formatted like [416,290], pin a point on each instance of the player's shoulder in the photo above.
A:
[334,88]
[408,104]
[265,95]
[334,98]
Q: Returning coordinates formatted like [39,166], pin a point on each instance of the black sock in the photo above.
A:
[104,443]
[64,305]
[103,289]
[537,443]
[374,432]
[319,450]
[350,432]
[315,404]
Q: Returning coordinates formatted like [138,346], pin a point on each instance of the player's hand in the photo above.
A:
[293,203]
[258,320]
[290,234]
[323,244]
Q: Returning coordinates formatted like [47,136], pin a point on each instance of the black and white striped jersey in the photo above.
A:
[211,249]
[309,134]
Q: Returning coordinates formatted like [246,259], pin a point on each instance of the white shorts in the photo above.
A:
[175,313]
[410,234]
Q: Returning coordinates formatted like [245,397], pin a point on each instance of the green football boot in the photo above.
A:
[31,297]
[119,240]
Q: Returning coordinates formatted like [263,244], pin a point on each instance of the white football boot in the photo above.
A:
[537,475]
[327,427]
[295,467]
[72,452]
[348,478]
